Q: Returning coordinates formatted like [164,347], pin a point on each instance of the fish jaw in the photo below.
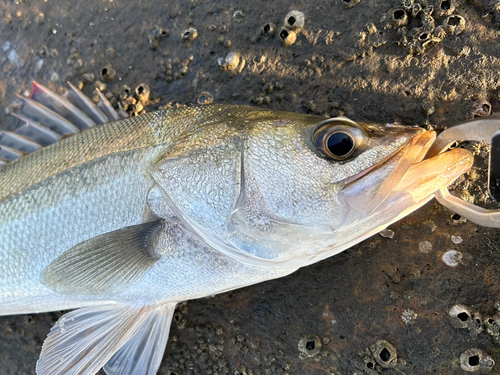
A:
[405,180]
[367,192]
[416,188]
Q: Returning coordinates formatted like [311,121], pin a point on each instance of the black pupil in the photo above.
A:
[340,144]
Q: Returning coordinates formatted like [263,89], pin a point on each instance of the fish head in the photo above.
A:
[283,189]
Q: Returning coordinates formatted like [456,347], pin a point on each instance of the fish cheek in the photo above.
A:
[203,185]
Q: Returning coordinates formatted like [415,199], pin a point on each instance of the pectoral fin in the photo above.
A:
[106,263]
[82,341]
[143,353]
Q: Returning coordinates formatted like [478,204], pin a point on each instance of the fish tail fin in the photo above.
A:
[48,117]
[125,339]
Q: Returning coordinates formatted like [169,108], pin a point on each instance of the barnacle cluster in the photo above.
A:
[379,356]
[422,24]
[475,360]
[133,101]
[287,33]
[174,68]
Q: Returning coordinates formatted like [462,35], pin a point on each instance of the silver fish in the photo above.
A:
[123,220]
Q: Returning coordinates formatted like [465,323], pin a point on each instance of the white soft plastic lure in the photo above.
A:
[123,220]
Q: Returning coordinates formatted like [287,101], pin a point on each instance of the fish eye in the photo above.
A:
[338,138]
[340,145]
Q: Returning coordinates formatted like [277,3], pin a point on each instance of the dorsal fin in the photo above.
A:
[48,117]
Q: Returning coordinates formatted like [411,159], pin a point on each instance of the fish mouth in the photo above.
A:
[408,172]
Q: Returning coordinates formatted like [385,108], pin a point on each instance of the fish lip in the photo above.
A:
[365,192]
[415,138]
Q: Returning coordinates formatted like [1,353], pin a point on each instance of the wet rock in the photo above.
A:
[386,233]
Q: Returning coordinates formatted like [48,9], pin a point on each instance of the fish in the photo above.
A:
[121,218]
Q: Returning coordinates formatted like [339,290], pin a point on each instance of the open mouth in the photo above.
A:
[406,171]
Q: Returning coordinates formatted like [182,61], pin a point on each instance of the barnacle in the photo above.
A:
[310,345]
[452,258]
[205,98]
[287,36]
[230,62]
[384,353]
[481,108]
[492,325]
[107,73]
[142,91]
[444,7]
[461,317]
[395,18]
[476,360]
[189,34]
[294,20]
[268,29]
[454,24]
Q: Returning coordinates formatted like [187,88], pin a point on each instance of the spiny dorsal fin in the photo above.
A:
[61,106]
[106,263]
[48,117]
